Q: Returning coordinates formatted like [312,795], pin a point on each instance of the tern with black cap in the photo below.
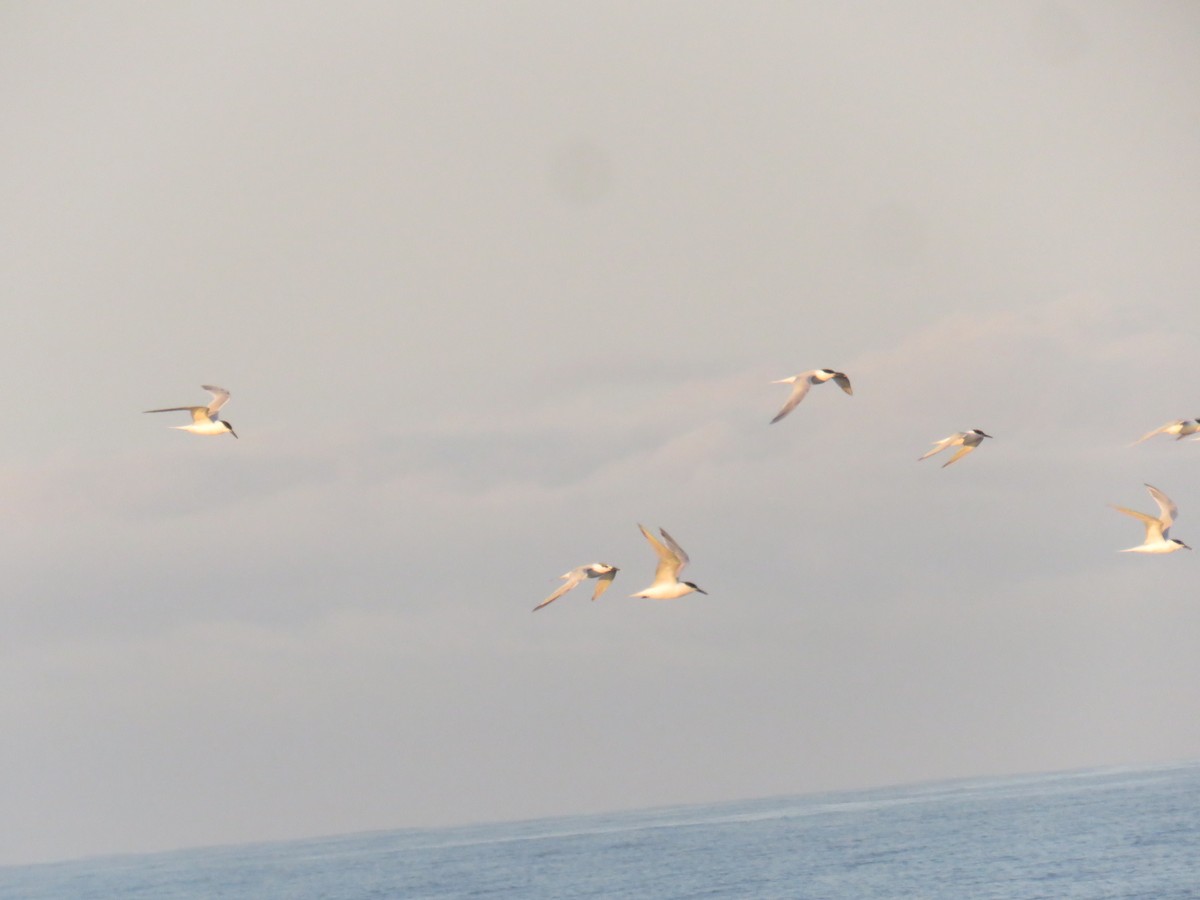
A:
[802,382]
[969,440]
[204,418]
[1157,527]
[602,571]
[671,560]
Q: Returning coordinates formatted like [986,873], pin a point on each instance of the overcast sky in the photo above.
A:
[492,283]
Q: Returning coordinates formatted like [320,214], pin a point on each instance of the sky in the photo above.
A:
[491,284]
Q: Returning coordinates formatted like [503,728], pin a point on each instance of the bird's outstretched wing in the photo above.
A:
[966,448]
[799,391]
[679,552]
[1154,529]
[572,581]
[1159,430]
[220,397]
[939,446]
[603,581]
[199,413]
[1166,506]
[668,564]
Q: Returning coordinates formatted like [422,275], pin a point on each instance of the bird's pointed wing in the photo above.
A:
[668,565]
[966,448]
[572,580]
[603,581]
[198,412]
[1165,505]
[679,552]
[799,390]
[844,383]
[220,397]
[1159,430]
[939,446]
[1154,528]
[1133,512]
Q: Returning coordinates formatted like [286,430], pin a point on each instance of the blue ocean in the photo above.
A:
[1130,832]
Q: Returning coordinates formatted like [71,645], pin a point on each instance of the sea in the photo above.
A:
[1106,833]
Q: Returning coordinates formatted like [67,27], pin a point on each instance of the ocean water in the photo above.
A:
[1113,833]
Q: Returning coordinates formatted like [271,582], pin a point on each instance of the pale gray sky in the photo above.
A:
[492,283]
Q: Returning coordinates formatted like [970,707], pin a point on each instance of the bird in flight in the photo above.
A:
[601,571]
[968,439]
[671,560]
[1157,527]
[204,418]
[802,382]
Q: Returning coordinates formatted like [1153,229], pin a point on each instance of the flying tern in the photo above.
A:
[204,418]
[968,439]
[671,560]
[602,571]
[802,382]
[1181,428]
[1158,528]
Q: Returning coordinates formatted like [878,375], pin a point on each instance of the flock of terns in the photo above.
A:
[672,558]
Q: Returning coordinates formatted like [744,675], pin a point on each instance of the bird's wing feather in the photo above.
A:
[1154,528]
[966,448]
[844,383]
[1137,515]
[1159,430]
[668,565]
[799,390]
[1165,505]
[679,552]
[939,446]
[572,580]
[192,409]
[220,397]
[602,583]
